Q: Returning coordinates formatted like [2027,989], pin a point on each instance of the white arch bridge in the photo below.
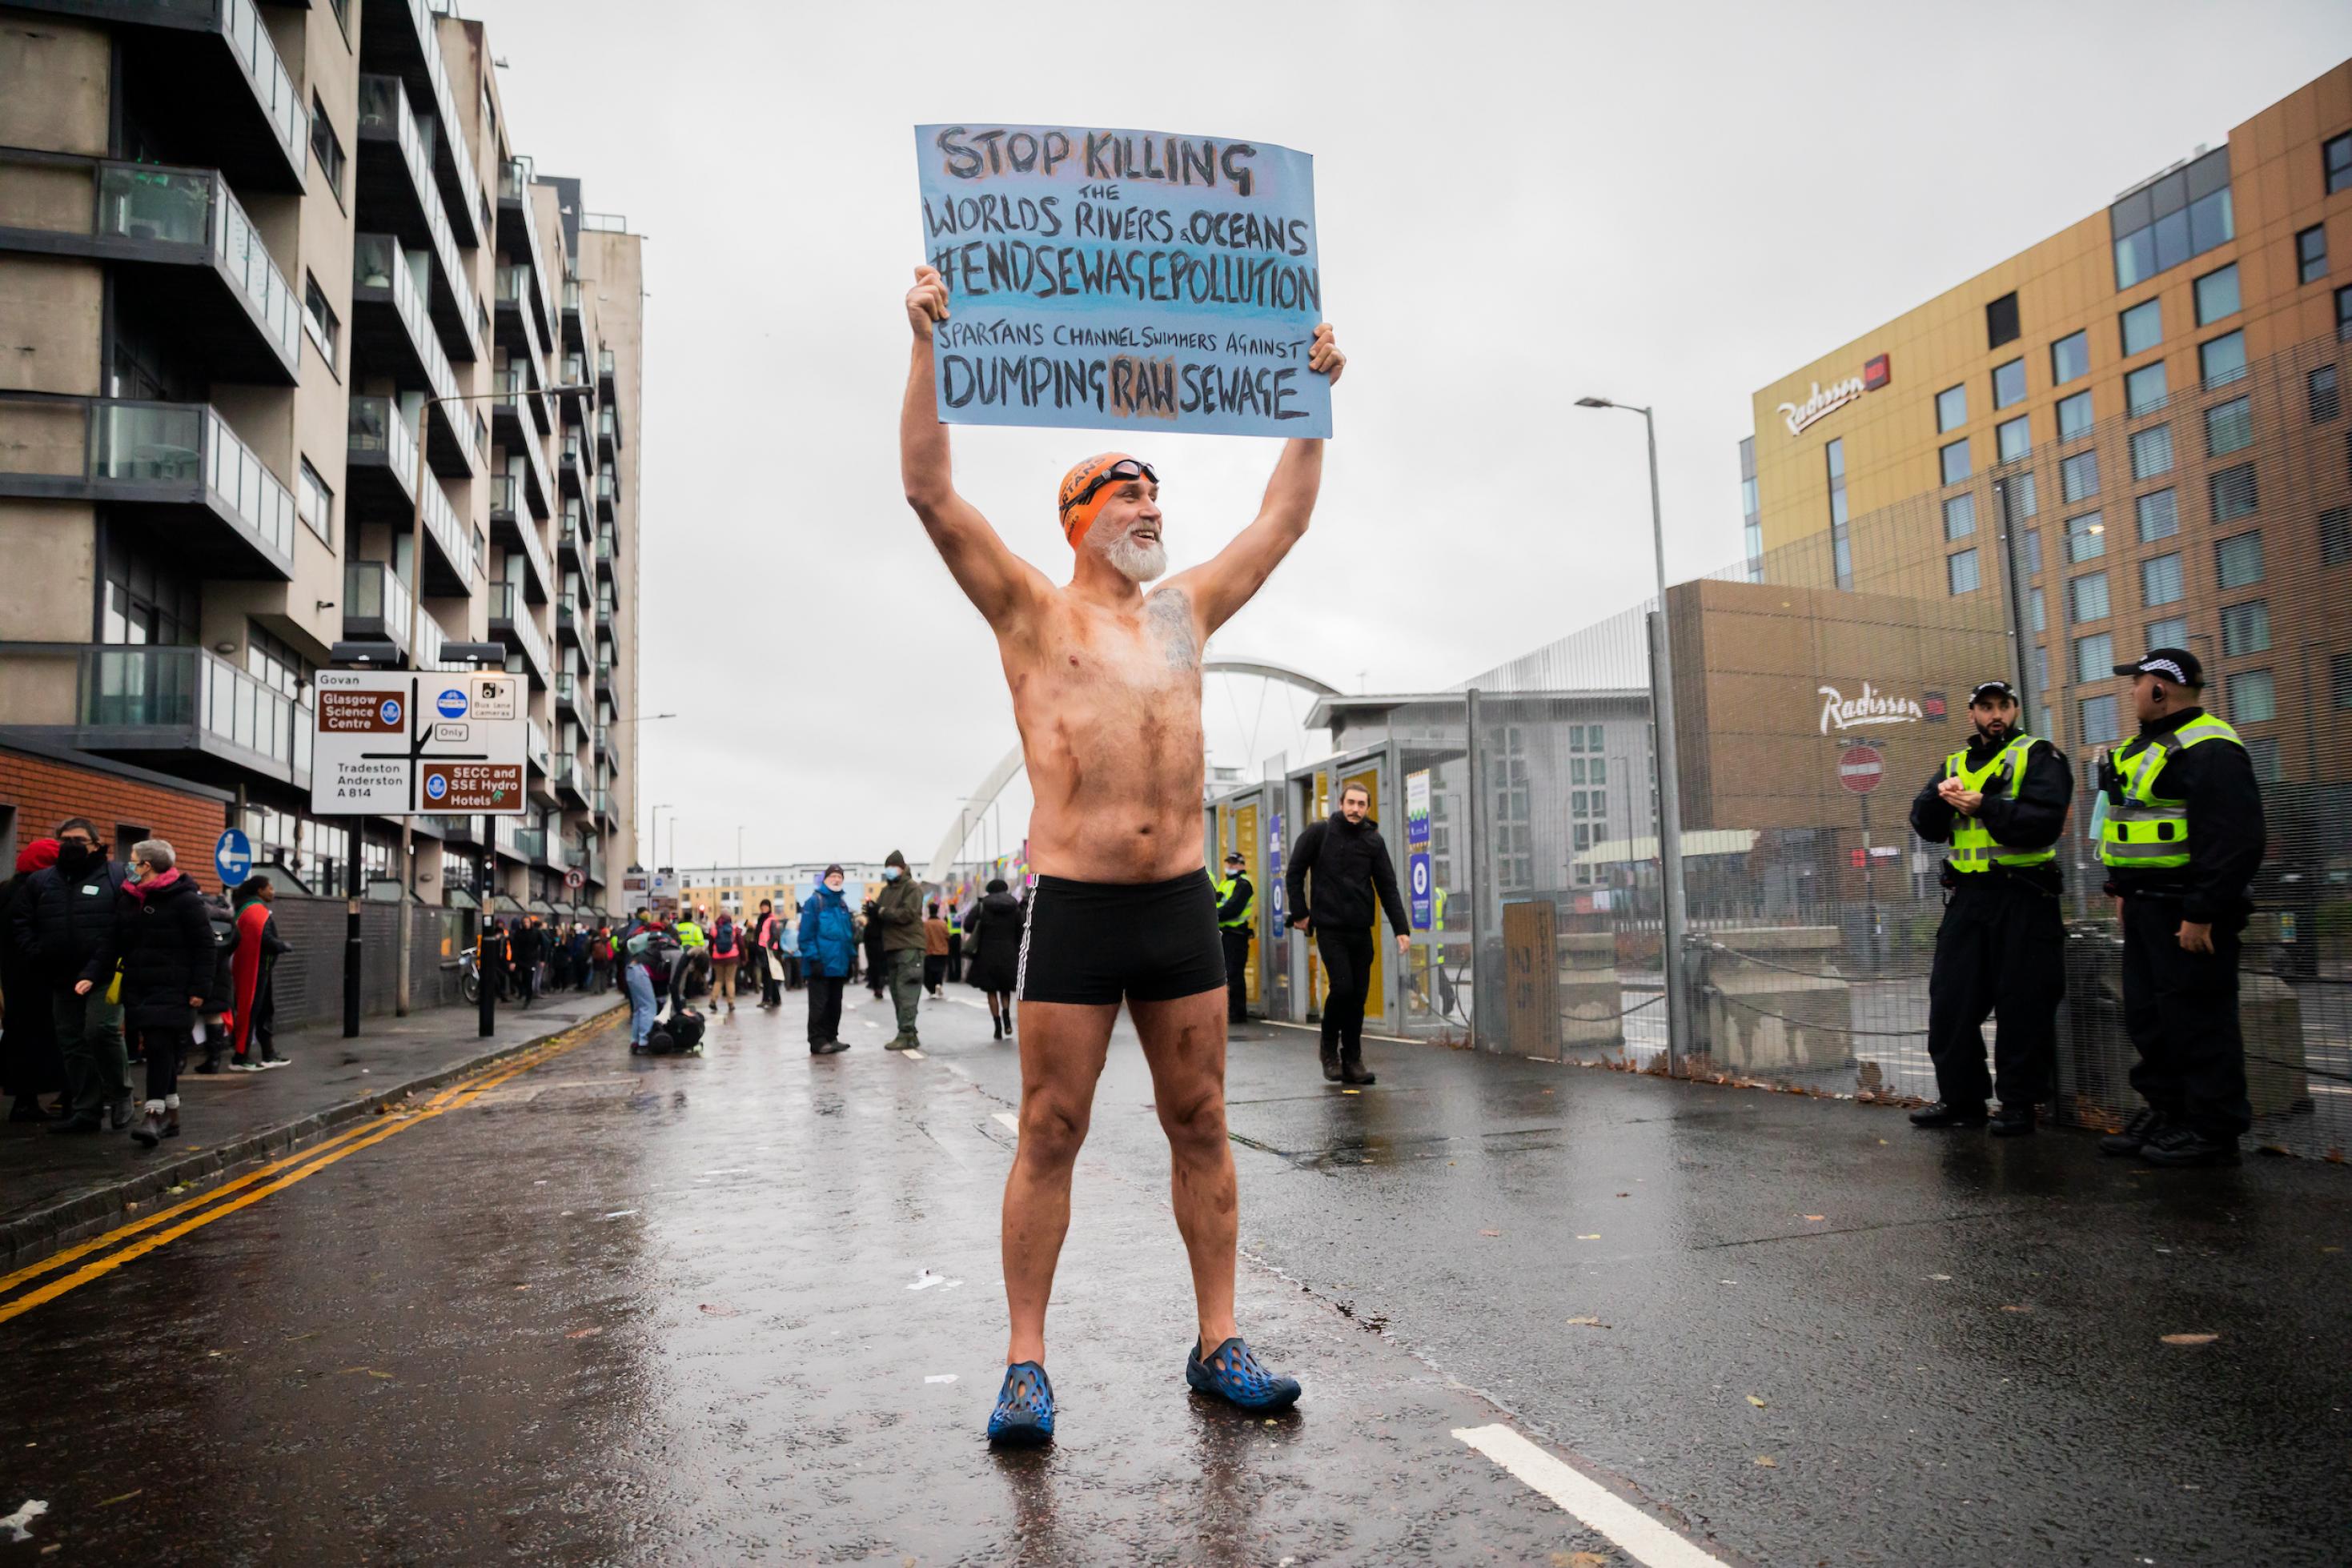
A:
[951,843]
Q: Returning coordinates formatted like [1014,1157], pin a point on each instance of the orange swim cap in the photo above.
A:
[1078,518]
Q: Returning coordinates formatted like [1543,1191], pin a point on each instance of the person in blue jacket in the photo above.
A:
[828,939]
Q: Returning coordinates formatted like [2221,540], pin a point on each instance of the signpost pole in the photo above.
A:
[416,622]
[351,934]
[1869,887]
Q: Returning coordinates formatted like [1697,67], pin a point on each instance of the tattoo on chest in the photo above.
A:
[1168,613]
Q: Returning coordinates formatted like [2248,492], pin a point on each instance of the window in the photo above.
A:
[2078,477]
[1959,516]
[2087,596]
[2033,549]
[2094,657]
[2158,513]
[2041,668]
[2098,719]
[2144,390]
[2151,452]
[2238,561]
[2220,360]
[2217,294]
[2001,321]
[2037,610]
[1955,462]
[1961,570]
[2263,751]
[314,503]
[2335,157]
[144,602]
[2074,416]
[2311,254]
[326,153]
[2246,628]
[2142,327]
[2170,632]
[318,319]
[1951,408]
[274,663]
[2232,491]
[2340,679]
[2336,537]
[2326,403]
[2087,537]
[2160,580]
[2170,220]
[2011,440]
[2022,497]
[2228,427]
[1840,546]
[2344,314]
[2070,359]
[2008,383]
[2253,697]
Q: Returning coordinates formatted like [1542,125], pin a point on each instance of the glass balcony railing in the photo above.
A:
[572,296]
[460,160]
[379,262]
[504,493]
[272,82]
[604,547]
[383,111]
[567,613]
[373,591]
[595,864]
[575,369]
[517,841]
[508,604]
[147,203]
[167,453]
[567,687]
[192,688]
[377,428]
[604,364]
[608,425]
[537,741]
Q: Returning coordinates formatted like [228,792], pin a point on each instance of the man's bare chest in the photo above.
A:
[1084,654]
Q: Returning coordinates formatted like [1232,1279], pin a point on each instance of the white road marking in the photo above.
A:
[914,1056]
[1637,1533]
[940,1378]
[1011,1122]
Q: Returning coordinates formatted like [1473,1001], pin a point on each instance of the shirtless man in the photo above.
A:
[1106,681]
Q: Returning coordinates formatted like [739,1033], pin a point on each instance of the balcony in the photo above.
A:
[513,624]
[519,335]
[570,783]
[604,551]
[208,69]
[569,621]
[396,195]
[607,496]
[377,605]
[604,615]
[572,540]
[401,39]
[572,472]
[514,839]
[380,485]
[604,371]
[455,829]
[519,534]
[605,678]
[567,692]
[172,471]
[180,245]
[608,432]
[595,868]
[519,238]
[576,332]
[181,710]
[393,336]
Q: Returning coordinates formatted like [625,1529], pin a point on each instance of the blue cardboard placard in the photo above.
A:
[233,858]
[1125,280]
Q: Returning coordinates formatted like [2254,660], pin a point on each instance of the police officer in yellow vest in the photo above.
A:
[2181,833]
[2001,803]
[1236,924]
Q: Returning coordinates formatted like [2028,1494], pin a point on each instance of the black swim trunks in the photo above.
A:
[1094,942]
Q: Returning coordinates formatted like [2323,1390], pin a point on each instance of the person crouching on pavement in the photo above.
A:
[2000,802]
[163,943]
[2181,834]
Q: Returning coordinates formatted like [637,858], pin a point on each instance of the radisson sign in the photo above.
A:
[1827,400]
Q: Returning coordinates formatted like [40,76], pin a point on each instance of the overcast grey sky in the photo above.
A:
[1518,203]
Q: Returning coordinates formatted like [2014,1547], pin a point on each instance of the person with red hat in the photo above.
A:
[1104,673]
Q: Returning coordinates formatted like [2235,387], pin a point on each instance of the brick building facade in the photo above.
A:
[41,787]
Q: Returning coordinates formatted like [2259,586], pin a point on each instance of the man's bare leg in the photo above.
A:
[1185,1043]
[1063,1045]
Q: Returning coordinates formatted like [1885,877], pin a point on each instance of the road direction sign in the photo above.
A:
[1861,770]
[233,858]
[402,743]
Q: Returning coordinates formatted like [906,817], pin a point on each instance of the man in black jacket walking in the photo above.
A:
[2001,803]
[66,919]
[1351,871]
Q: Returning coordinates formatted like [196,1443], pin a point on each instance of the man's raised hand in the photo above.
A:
[927,302]
[1322,355]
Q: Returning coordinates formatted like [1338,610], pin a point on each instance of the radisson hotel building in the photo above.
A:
[2132,433]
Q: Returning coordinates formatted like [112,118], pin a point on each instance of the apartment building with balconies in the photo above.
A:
[281,296]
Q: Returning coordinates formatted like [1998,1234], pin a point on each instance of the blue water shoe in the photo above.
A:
[1234,1374]
[1023,1417]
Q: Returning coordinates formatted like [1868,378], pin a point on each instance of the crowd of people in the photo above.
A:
[108,964]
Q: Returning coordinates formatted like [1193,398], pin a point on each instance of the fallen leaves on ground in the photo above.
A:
[1490,1233]
[1579,1560]
[2191,1338]
[121,1497]
[1586,1323]
[2016,1309]
[1757,1402]
[372,1372]
[1816,1217]
[1594,1236]
[1768,1462]
[583,1334]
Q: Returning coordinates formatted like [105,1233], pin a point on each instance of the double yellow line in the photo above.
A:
[255,1185]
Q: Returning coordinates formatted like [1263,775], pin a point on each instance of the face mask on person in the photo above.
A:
[890,874]
[74,855]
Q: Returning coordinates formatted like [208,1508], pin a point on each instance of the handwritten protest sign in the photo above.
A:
[1123,279]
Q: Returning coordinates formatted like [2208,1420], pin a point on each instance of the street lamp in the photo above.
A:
[415,626]
[1670,792]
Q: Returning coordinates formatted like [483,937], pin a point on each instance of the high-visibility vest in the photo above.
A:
[1973,846]
[2146,830]
[1241,922]
[1441,909]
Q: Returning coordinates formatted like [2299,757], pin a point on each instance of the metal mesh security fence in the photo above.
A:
[1817,687]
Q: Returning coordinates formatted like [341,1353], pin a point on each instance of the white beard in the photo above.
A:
[1136,562]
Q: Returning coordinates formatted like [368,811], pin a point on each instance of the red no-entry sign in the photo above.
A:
[1860,768]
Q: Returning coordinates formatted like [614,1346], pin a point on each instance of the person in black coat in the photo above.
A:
[163,942]
[992,939]
[30,1065]
[528,947]
[65,919]
[1353,880]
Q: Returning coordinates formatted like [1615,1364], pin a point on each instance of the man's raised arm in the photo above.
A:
[995,580]
[1222,585]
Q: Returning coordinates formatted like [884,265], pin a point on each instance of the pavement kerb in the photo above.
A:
[30,1238]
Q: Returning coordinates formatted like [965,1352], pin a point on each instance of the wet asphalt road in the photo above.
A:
[658,1310]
